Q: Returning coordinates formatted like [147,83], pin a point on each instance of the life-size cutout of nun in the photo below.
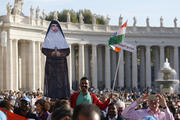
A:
[56,49]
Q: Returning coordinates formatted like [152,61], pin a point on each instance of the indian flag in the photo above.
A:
[118,37]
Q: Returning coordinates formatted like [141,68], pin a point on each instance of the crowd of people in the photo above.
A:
[94,105]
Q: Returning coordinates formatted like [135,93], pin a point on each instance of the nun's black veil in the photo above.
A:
[54,22]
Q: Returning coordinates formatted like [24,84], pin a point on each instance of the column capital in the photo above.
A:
[94,44]
[175,46]
[162,46]
[33,41]
[81,44]
[107,47]
[38,41]
[148,46]
[14,39]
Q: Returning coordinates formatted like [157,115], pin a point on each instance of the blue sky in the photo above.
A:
[154,9]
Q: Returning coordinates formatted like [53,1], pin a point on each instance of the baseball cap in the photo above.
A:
[149,118]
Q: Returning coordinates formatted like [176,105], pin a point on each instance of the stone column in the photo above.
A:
[148,67]
[156,62]
[24,61]
[86,54]
[107,68]
[128,70]
[142,67]
[71,65]
[113,67]
[121,70]
[43,57]
[176,61]
[10,67]
[81,61]
[171,56]
[68,65]
[1,68]
[94,66]
[20,72]
[16,66]
[33,65]
[134,70]
[99,66]
[39,65]
[161,56]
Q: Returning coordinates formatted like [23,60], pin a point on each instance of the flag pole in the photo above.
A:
[115,76]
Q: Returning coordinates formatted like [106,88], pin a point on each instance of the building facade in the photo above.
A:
[22,62]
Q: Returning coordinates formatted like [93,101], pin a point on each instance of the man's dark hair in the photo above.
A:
[60,103]
[84,78]
[61,112]
[6,105]
[86,110]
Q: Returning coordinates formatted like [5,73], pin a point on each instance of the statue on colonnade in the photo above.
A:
[147,22]
[135,21]
[43,15]
[55,17]
[175,22]
[68,17]
[9,8]
[94,19]
[107,20]
[31,12]
[37,12]
[161,21]
[81,18]
[120,20]
[17,10]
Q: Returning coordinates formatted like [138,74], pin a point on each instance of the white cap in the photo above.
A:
[120,103]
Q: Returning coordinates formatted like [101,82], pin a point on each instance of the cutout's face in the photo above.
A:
[54,27]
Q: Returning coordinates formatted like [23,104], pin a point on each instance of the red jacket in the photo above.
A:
[12,116]
[95,100]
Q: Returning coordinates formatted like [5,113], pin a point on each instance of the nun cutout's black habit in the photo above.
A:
[56,49]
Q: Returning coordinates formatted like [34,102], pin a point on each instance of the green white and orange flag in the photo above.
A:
[118,37]
[117,43]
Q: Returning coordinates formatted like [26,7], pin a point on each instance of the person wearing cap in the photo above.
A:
[120,107]
[84,96]
[112,113]
[24,109]
[154,103]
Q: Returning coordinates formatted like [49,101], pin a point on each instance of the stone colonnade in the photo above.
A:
[138,70]
[22,65]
